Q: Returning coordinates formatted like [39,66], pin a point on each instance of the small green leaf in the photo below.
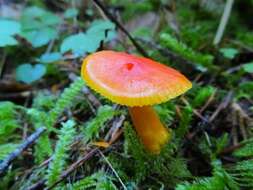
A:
[100,26]
[33,12]
[41,37]
[28,73]
[90,41]
[39,26]
[80,43]
[50,57]
[248,67]
[35,18]
[8,28]
[6,40]
[71,13]
[229,53]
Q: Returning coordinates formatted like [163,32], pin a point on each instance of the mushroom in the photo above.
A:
[138,83]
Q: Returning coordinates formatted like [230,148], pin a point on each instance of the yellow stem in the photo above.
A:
[149,128]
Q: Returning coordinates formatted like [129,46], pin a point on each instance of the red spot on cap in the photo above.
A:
[129,66]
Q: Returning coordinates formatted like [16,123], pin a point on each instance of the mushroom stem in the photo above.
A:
[149,128]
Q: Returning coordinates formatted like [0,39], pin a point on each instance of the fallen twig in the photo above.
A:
[208,102]
[15,95]
[241,119]
[231,149]
[114,171]
[95,102]
[120,26]
[2,63]
[74,166]
[240,111]
[242,45]
[30,140]
[196,112]
[116,125]
[223,22]
[66,173]
[225,102]
[234,69]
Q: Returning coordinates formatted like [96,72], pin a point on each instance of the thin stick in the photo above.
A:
[121,27]
[223,22]
[238,43]
[114,171]
[234,128]
[14,95]
[116,125]
[2,63]
[41,184]
[73,167]
[196,112]
[30,140]
[234,147]
[230,149]
[225,102]
[208,102]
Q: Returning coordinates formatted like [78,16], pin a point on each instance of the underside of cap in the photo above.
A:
[132,81]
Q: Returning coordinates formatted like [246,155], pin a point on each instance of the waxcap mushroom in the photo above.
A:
[138,83]
[131,80]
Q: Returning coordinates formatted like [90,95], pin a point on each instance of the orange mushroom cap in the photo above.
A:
[131,80]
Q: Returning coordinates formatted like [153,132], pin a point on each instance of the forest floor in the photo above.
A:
[57,133]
